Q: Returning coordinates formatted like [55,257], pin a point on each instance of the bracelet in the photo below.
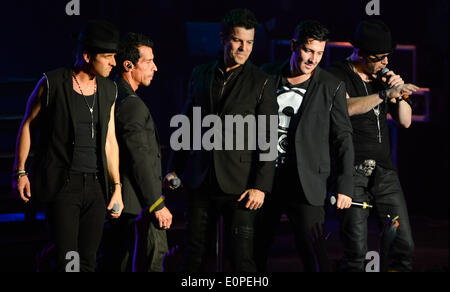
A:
[19,174]
[118,183]
[156,204]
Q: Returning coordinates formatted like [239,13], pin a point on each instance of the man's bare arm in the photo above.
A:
[404,114]
[363,104]
[23,142]
[112,157]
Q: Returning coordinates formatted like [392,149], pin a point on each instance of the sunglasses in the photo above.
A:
[375,59]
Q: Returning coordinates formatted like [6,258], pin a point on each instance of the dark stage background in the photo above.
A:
[36,36]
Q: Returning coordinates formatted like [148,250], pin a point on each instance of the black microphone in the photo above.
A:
[175,182]
[383,73]
[363,205]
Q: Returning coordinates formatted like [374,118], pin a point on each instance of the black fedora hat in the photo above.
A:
[373,37]
[100,36]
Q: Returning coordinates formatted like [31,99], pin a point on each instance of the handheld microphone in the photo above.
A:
[383,73]
[115,208]
[175,182]
[363,205]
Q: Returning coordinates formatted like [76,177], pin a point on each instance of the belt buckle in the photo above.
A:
[368,166]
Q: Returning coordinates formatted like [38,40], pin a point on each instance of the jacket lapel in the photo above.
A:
[103,124]
[308,98]
[68,88]
[208,82]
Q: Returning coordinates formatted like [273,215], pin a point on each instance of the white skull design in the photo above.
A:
[289,102]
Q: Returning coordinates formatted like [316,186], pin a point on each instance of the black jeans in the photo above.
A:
[76,220]
[205,207]
[384,191]
[288,197]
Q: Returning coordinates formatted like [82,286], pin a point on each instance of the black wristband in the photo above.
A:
[383,95]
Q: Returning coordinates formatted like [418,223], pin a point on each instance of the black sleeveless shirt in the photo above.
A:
[86,149]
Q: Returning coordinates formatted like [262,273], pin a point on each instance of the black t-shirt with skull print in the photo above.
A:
[289,98]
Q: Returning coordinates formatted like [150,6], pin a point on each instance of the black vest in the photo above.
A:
[53,158]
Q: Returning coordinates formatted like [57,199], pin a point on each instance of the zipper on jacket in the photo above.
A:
[224,82]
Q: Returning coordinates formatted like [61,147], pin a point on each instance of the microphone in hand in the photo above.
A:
[175,182]
[362,205]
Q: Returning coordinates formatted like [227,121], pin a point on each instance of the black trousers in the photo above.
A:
[205,207]
[76,220]
[287,197]
[384,191]
[118,251]
[117,246]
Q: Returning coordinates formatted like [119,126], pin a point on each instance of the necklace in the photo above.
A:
[376,110]
[91,108]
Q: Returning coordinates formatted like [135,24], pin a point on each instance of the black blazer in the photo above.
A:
[53,158]
[323,129]
[139,150]
[236,170]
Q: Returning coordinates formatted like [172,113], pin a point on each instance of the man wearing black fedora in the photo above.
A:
[76,162]
[373,91]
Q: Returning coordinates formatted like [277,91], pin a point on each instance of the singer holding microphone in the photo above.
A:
[137,242]
[373,91]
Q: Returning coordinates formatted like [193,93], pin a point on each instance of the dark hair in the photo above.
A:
[311,29]
[128,48]
[238,17]
[79,50]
